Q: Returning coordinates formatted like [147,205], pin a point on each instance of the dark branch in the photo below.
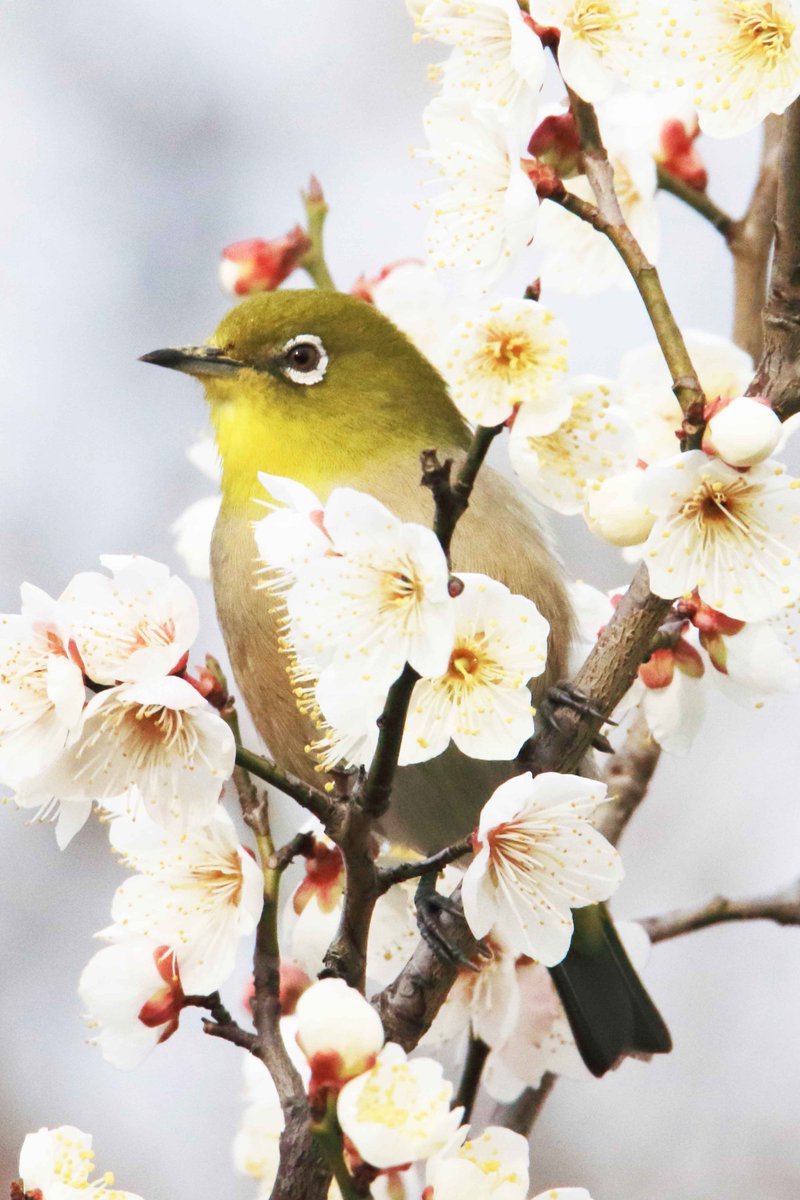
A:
[388,876]
[452,499]
[470,1082]
[778,375]
[314,801]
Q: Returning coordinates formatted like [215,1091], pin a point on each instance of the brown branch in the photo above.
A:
[451,499]
[750,241]
[388,876]
[520,1115]
[778,374]
[220,1023]
[701,202]
[470,1081]
[782,907]
[627,776]
[314,801]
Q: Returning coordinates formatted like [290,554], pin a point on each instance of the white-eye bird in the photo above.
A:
[320,387]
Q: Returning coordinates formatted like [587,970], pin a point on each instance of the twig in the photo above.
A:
[778,374]
[477,1054]
[701,202]
[782,907]
[607,218]
[309,798]
[376,792]
[751,242]
[521,1114]
[388,876]
[302,844]
[313,261]
[627,776]
[451,499]
[220,1024]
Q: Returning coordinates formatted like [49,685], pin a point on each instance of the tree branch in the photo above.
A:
[701,202]
[627,776]
[451,499]
[778,374]
[314,801]
[388,876]
[520,1115]
[470,1082]
[782,907]
[750,241]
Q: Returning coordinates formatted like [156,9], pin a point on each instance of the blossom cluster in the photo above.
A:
[362,594]
[56,1164]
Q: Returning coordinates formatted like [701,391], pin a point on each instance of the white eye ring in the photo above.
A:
[315,371]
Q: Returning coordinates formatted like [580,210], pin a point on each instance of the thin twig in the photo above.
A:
[470,1082]
[220,1023]
[451,499]
[782,907]
[388,876]
[301,845]
[701,202]
[313,261]
[520,1115]
[309,798]
[627,776]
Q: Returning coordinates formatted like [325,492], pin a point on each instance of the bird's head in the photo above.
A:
[318,386]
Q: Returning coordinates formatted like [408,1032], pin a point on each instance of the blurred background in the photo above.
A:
[137,140]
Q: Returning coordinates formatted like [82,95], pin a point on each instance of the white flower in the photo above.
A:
[578,258]
[539,858]
[291,538]
[136,625]
[156,745]
[615,513]
[740,60]
[492,1165]
[724,372]
[399,1111]
[508,353]
[41,687]
[256,1147]
[485,1001]
[413,296]
[487,215]
[57,1164]
[481,701]
[199,892]
[380,601]
[743,432]
[193,528]
[593,443]
[497,59]
[603,42]
[735,536]
[133,996]
[542,1040]
[339,1031]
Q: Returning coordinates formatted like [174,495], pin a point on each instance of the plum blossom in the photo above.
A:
[592,444]
[339,1032]
[615,513]
[485,999]
[292,536]
[487,214]
[645,385]
[137,624]
[56,1164]
[732,535]
[492,1165]
[41,686]
[398,1111]
[256,1147]
[199,892]
[740,60]
[133,998]
[742,432]
[156,746]
[538,858]
[603,43]
[670,688]
[542,1040]
[379,601]
[414,298]
[508,353]
[193,528]
[497,60]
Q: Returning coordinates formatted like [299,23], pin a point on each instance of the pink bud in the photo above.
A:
[557,143]
[258,266]
[678,154]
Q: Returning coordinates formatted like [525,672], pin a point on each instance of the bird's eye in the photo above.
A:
[304,359]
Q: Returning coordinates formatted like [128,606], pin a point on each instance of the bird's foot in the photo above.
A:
[431,906]
[566,695]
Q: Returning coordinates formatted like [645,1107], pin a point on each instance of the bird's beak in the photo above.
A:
[194,360]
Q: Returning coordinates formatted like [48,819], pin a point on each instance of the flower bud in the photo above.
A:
[614,513]
[338,1031]
[742,432]
[678,155]
[556,142]
[258,266]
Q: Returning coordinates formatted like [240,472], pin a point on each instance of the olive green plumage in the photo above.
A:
[362,422]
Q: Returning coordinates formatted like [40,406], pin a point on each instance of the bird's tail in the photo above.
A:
[610,1012]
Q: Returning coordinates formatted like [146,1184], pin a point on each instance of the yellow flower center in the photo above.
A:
[221,881]
[507,350]
[463,663]
[763,33]
[590,21]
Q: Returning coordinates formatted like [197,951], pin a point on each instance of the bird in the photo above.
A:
[321,387]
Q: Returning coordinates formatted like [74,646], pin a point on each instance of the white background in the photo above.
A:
[136,140]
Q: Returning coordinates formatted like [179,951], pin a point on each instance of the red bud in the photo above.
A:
[258,266]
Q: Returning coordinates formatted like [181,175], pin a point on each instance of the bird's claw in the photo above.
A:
[566,695]
[430,905]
